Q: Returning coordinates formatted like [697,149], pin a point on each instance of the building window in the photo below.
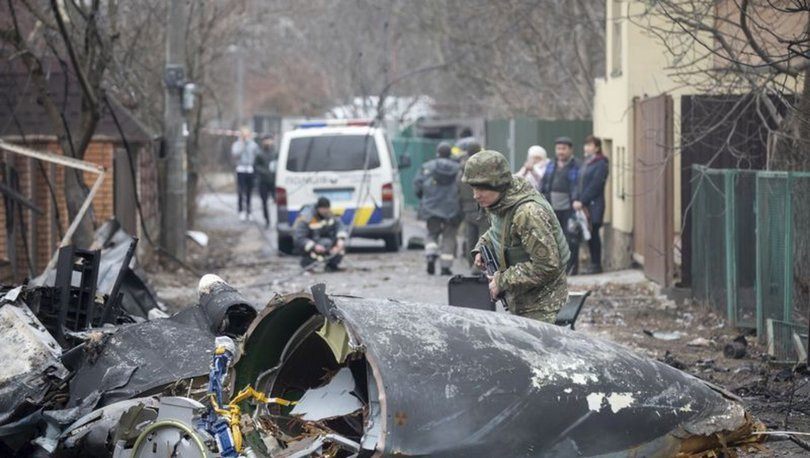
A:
[617,18]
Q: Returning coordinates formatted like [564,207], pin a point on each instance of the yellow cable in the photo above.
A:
[233,412]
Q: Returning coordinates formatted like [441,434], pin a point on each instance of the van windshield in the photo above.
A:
[334,153]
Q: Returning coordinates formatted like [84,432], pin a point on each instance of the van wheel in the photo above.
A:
[393,242]
[285,244]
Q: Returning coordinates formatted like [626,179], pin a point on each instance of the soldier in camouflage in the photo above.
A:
[525,236]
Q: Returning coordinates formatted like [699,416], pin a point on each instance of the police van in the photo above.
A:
[350,162]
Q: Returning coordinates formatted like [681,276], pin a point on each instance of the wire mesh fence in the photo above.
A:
[751,246]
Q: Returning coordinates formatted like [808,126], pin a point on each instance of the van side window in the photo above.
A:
[335,153]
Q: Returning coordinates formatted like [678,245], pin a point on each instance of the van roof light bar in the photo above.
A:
[334,123]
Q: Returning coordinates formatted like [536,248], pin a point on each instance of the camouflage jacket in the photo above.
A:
[533,253]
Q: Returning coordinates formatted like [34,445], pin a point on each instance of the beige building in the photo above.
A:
[637,113]
[636,69]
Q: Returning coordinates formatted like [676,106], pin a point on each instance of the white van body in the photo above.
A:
[353,166]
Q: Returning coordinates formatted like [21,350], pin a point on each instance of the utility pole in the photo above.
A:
[239,84]
[174,215]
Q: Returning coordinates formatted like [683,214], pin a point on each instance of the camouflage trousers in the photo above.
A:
[549,316]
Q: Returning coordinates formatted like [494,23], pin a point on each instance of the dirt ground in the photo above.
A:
[623,307]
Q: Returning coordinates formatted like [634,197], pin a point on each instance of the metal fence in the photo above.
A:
[521,133]
[751,246]
[420,151]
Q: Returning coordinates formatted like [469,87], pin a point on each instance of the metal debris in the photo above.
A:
[344,376]
[335,399]
[116,273]
[68,397]
[31,370]
[450,381]
[228,312]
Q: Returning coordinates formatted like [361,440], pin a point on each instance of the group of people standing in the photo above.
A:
[573,189]
[255,164]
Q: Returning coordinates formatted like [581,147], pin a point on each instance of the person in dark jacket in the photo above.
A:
[264,169]
[476,221]
[559,187]
[437,190]
[320,236]
[590,195]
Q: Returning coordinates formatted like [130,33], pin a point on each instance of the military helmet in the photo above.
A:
[487,169]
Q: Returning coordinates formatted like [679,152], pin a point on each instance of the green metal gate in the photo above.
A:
[533,131]
[420,151]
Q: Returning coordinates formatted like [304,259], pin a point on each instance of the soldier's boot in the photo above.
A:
[431,265]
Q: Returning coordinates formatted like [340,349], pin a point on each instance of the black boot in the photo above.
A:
[431,265]
[446,271]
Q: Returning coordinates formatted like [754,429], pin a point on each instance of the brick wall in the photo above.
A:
[15,168]
[43,233]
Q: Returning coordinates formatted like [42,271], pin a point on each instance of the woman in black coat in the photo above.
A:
[590,194]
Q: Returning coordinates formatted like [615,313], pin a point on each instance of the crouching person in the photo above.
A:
[320,236]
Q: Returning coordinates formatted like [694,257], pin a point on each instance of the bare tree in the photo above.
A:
[756,49]
[474,57]
[81,38]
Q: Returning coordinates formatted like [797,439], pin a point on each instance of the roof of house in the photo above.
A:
[22,114]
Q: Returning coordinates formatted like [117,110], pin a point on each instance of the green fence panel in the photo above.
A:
[420,151]
[751,246]
[533,131]
[783,248]
[723,261]
[773,255]
[744,268]
[497,135]
[800,195]
[697,205]
[709,231]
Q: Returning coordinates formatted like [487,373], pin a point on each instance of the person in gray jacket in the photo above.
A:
[437,189]
[243,153]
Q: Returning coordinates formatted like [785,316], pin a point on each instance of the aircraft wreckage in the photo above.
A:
[321,375]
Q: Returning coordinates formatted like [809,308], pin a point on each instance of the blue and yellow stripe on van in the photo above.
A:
[361,216]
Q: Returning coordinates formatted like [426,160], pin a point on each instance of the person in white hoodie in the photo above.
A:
[535,166]
[243,153]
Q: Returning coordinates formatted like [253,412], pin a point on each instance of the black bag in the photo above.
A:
[470,292]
